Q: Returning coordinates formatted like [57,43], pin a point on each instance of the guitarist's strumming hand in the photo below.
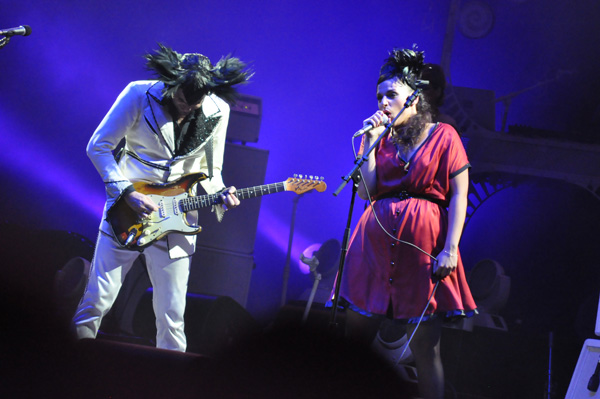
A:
[141,204]
[229,198]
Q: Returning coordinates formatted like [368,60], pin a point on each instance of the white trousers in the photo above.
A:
[169,278]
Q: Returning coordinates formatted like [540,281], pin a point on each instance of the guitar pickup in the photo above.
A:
[161,209]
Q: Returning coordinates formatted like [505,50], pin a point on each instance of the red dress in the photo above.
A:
[381,274]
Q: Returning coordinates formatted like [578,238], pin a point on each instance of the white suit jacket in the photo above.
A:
[149,152]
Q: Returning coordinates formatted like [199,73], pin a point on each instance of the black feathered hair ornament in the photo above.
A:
[195,74]
[404,64]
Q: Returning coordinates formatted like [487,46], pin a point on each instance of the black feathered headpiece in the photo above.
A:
[404,64]
[195,74]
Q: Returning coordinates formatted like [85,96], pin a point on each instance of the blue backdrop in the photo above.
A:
[316,65]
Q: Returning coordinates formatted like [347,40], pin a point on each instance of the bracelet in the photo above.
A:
[450,253]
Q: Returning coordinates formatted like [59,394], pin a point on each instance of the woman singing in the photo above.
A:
[403,260]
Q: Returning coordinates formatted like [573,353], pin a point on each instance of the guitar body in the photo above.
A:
[175,199]
[134,233]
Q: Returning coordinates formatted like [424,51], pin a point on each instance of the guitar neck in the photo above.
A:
[203,201]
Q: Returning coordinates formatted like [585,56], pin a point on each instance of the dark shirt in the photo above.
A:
[186,130]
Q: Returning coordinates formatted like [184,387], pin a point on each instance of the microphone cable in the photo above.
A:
[377,218]
[406,346]
[408,341]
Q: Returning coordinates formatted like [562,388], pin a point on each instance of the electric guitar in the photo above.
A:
[174,200]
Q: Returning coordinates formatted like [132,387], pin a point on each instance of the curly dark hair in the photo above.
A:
[196,75]
[407,65]
[407,135]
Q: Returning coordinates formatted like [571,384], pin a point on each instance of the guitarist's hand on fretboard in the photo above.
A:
[141,204]
[229,199]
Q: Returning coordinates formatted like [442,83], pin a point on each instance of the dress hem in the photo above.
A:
[447,316]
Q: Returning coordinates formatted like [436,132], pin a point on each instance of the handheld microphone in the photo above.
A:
[24,30]
[368,127]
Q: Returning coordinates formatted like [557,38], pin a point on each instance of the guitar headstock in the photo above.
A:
[303,183]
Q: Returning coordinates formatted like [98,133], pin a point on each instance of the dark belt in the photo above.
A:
[404,195]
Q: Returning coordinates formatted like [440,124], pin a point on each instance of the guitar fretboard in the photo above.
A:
[203,201]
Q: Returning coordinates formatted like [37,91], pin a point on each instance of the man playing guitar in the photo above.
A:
[168,128]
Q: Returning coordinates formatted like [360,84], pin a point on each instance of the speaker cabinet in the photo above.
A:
[223,262]
[221,273]
[244,119]
[243,167]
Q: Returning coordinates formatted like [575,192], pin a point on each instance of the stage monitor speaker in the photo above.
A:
[108,369]
[493,364]
[69,285]
[35,255]
[221,273]
[212,323]
[244,119]
[586,377]
[318,319]
[34,278]
[243,167]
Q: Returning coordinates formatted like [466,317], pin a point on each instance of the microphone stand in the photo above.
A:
[355,176]
[286,269]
